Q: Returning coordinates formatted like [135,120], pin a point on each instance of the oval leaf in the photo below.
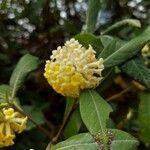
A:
[82,141]
[128,50]
[94,111]
[123,141]
[25,65]
[136,69]
[73,125]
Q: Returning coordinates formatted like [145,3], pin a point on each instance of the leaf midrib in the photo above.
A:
[99,120]
[116,141]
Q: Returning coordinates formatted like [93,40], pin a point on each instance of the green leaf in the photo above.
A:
[94,111]
[144,116]
[69,105]
[92,14]
[106,39]
[73,125]
[125,22]
[5,90]
[25,65]
[107,80]
[128,50]
[82,141]
[35,113]
[136,69]
[122,140]
[86,38]
[108,50]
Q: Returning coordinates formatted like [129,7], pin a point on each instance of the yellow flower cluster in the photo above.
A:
[73,68]
[11,122]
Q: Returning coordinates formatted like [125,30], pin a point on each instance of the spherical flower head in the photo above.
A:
[72,68]
[11,122]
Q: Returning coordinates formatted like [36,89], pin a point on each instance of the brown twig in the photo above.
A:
[114,97]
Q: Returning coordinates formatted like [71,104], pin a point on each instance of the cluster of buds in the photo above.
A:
[11,122]
[72,68]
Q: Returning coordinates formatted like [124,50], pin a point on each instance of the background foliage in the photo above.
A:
[39,26]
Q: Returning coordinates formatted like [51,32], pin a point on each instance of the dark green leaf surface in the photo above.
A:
[82,141]
[25,65]
[123,141]
[144,116]
[86,38]
[73,125]
[94,111]
[137,70]
[128,50]
[92,14]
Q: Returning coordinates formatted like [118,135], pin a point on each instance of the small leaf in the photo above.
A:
[86,38]
[144,116]
[35,114]
[94,111]
[5,90]
[128,50]
[125,22]
[73,125]
[25,65]
[92,14]
[122,140]
[82,141]
[136,69]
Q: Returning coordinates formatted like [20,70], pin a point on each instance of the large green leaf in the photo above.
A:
[73,125]
[82,141]
[5,90]
[92,14]
[136,69]
[122,140]
[144,116]
[128,50]
[94,111]
[86,38]
[25,65]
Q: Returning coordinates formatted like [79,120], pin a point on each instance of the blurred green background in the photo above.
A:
[38,27]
